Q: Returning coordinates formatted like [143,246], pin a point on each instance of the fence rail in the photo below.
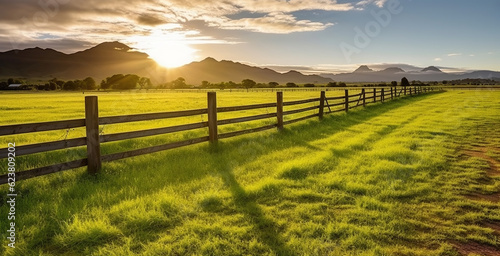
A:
[93,140]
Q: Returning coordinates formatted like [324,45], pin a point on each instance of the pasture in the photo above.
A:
[413,176]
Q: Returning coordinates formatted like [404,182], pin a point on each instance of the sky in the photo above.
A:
[324,35]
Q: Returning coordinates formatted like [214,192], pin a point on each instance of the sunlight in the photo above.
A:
[171,54]
[169,49]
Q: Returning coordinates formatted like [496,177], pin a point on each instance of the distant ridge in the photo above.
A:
[431,68]
[109,58]
[363,68]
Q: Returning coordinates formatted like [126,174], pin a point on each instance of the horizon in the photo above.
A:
[307,70]
[336,36]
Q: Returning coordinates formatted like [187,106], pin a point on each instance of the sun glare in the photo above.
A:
[168,49]
[171,54]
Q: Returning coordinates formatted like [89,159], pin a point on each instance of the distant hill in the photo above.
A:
[111,58]
[99,62]
[431,69]
[366,74]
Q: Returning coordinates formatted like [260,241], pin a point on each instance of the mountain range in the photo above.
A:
[111,58]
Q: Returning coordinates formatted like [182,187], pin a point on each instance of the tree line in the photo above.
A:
[132,81]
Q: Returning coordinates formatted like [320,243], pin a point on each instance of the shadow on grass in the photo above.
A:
[264,227]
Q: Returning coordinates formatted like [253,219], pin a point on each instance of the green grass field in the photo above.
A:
[414,176]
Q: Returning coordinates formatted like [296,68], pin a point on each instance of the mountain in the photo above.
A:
[431,69]
[215,71]
[431,73]
[362,69]
[99,62]
[110,58]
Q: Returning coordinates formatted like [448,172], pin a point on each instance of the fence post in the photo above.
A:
[346,100]
[410,91]
[279,109]
[405,91]
[322,104]
[92,128]
[212,117]
[382,96]
[364,97]
[374,94]
[392,93]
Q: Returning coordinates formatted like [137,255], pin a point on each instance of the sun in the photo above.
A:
[171,54]
[168,49]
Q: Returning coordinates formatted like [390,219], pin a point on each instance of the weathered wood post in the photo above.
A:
[212,117]
[92,128]
[392,92]
[382,96]
[405,91]
[279,109]
[374,94]
[346,101]
[322,104]
[364,97]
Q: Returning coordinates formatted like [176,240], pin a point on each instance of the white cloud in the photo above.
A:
[278,23]
[438,59]
[379,3]
[95,21]
[454,54]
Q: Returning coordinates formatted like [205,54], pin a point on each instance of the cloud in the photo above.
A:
[378,3]
[438,59]
[454,54]
[278,23]
[150,20]
[97,21]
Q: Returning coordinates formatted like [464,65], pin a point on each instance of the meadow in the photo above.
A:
[414,176]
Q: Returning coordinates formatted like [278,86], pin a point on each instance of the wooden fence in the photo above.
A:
[93,140]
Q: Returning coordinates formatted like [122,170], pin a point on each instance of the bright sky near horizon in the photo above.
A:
[324,34]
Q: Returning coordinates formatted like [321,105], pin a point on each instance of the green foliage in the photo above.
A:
[120,82]
[405,82]
[331,84]
[273,84]
[89,83]
[309,85]
[291,84]
[248,83]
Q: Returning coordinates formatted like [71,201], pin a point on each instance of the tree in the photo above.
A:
[405,82]
[309,85]
[394,83]
[342,84]
[291,84]
[112,82]
[445,82]
[273,84]
[179,83]
[205,84]
[248,83]
[70,86]
[331,84]
[145,83]
[89,83]
[127,82]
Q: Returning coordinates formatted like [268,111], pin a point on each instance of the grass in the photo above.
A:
[390,179]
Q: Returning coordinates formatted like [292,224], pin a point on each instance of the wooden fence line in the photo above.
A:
[93,140]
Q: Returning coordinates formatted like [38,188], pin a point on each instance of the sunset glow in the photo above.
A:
[168,49]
